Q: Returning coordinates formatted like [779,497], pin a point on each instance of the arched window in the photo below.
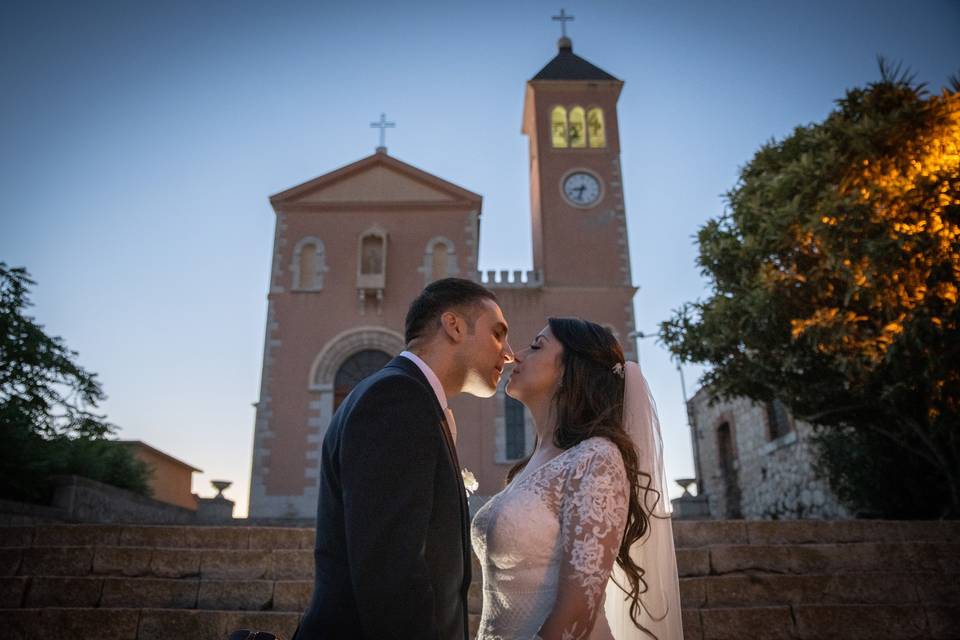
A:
[439,260]
[438,265]
[558,127]
[308,265]
[778,420]
[578,128]
[516,431]
[595,128]
[354,369]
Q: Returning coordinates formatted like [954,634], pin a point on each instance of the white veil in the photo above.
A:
[654,553]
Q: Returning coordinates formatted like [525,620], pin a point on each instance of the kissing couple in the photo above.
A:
[577,545]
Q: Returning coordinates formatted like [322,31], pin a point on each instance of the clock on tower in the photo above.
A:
[581,189]
[576,190]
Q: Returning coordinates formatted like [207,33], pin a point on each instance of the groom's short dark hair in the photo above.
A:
[439,297]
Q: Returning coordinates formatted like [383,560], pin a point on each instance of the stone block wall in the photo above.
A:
[761,477]
[78,499]
[87,500]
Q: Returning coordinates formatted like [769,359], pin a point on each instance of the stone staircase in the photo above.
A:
[850,579]
[756,580]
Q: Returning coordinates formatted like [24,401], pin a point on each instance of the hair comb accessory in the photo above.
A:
[618,369]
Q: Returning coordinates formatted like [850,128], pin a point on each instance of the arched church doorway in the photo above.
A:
[354,369]
[729,470]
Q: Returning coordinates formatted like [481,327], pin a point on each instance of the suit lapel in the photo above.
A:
[464,507]
[411,369]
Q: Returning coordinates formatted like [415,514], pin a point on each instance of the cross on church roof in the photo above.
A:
[383,125]
[563,19]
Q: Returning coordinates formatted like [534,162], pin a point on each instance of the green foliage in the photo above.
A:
[835,274]
[874,475]
[30,461]
[47,421]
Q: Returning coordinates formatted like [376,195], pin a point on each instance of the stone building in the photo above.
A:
[754,460]
[353,247]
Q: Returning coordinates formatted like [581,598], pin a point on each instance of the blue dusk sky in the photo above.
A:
[139,142]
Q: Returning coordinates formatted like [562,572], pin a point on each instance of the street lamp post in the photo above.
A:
[640,335]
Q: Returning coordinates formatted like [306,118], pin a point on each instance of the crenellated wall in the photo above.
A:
[506,278]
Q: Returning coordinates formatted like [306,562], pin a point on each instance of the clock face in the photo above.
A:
[581,189]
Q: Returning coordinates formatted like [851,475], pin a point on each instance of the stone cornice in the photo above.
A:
[458,206]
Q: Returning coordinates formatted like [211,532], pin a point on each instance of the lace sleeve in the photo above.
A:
[593,516]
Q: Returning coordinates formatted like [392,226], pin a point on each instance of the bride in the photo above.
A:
[579,543]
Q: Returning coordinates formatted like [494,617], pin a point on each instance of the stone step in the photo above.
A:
[824,589]
[207,564]
[166,593]
[823,622]
[855,557]
[163,593]
[71,623]
[687,534]
[804,622]
[297,564]
[169,537]
[140,624]
[294,595]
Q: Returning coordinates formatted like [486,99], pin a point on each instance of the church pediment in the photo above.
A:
[378,180]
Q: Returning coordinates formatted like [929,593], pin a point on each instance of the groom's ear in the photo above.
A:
[453,326]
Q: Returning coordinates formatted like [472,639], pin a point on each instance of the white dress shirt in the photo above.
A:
[437,388]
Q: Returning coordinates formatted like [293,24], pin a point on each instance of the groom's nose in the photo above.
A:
[508,354]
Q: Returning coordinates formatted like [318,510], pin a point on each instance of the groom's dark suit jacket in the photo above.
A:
[393,552]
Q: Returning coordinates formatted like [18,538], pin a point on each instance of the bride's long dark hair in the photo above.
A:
[589,403]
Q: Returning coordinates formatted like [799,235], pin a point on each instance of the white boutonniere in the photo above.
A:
[469,481]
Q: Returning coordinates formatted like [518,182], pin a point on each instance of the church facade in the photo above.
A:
[353,247]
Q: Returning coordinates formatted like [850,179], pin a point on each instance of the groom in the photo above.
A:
[393,549]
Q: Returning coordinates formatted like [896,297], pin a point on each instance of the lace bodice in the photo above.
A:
[548,541]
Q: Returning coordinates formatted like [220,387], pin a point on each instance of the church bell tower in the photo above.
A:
[576,192]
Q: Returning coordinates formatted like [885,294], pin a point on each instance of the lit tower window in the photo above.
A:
[558,127]
[595,128]
[578,128]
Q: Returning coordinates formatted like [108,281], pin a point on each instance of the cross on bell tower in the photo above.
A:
[383,125]
[563,19]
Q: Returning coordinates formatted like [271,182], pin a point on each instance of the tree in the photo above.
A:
[47,404]
[835,272]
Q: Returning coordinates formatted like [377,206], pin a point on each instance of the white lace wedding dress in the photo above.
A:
[543,543]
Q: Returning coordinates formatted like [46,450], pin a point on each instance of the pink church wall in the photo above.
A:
[294,411]
[311,319]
